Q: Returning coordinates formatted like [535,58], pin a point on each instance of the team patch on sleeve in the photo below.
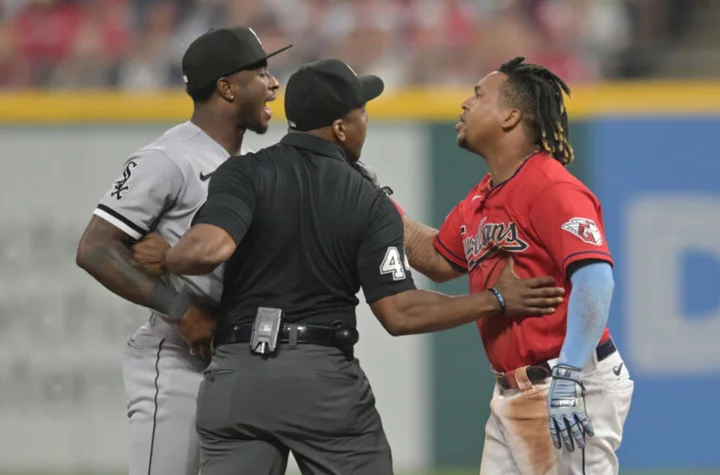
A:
[585,229]
[121,185]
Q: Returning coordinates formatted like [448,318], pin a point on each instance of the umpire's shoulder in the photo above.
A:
[240,163]
[378,202]
[262,156]
[367,194]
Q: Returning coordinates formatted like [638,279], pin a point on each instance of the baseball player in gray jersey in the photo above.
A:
[161,188]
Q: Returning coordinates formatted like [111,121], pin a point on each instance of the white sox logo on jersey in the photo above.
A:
[585,229]
[489,238]
[120,186]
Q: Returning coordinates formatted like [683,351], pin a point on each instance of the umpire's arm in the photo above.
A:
[389,288]
[220,224]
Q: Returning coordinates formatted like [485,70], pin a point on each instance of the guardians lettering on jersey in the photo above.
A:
[489,238]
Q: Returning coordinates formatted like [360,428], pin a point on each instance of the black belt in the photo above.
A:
[338,337]
[540,372]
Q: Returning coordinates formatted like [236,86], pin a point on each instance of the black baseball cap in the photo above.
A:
[221,52]
[319,93]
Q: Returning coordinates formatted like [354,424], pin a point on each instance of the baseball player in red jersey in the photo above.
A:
[562,392]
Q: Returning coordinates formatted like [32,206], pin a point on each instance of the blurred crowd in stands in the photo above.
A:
[138,44]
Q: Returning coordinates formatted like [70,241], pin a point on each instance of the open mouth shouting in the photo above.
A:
[266,107]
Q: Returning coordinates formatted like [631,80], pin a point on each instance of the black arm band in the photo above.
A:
[169,302]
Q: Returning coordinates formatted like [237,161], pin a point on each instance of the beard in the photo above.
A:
[249,117]
[462,141]
[259,128]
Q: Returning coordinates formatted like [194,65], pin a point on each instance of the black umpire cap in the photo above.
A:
[322,92]
[222,52]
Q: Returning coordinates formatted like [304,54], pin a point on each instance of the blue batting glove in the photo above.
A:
[568,419]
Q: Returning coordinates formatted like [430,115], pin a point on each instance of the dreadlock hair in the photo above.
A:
[538,93]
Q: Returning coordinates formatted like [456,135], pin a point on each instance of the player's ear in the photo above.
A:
[511,119]
[225,89]
[339,130]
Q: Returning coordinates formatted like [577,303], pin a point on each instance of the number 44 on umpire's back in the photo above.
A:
[394,264]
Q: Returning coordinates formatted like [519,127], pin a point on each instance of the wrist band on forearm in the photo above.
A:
[499,297]
[169,302]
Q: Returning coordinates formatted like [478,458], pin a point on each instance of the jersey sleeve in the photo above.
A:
[149,184]
[382,264]
[567,219]
[449,240]
[231,200]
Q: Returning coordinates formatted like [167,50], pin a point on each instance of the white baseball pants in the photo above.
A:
[517,435]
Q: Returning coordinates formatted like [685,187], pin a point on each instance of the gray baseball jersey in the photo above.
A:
[161,188]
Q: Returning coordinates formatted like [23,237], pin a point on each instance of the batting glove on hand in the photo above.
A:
[568,419]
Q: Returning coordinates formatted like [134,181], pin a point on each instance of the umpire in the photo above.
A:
[300,232]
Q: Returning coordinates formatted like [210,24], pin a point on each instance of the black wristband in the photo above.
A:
[169,302]
[499,297]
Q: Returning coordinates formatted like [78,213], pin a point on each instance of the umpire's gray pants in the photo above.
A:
[309,400]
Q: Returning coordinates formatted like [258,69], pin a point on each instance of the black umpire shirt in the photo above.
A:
[310,232]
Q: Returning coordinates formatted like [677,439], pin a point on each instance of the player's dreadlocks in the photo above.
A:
[538,93]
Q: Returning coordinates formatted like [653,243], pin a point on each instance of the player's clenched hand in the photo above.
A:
[197,327]
[150,253]
[535,296]
[569,422]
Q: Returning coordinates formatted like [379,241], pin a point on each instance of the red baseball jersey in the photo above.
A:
[547,219]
